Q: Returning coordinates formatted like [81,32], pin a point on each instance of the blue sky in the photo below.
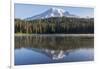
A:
[27,10]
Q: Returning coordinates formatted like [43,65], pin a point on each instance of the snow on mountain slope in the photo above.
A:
[52,12]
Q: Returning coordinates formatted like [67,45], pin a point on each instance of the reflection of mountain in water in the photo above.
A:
[54,47]
[52,54]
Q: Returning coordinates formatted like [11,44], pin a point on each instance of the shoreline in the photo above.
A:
[74,35]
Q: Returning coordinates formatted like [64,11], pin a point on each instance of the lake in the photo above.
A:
[42,49]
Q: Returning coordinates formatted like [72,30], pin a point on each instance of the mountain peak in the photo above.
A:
[55,12]
[57,9]
[52,12]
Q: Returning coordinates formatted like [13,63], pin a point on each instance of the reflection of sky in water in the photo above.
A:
[36,56]
[25,56]
[52,49]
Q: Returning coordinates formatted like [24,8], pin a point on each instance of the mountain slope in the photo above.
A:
[52,12]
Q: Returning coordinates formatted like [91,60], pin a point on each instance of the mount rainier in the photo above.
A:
[52,12]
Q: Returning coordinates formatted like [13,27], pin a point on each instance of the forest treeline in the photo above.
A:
[55,25]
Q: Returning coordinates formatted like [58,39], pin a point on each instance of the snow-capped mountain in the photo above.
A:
[52,12]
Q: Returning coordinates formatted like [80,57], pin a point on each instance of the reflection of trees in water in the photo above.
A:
[53,42]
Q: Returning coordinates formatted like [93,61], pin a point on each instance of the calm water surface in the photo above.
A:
[53,49]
